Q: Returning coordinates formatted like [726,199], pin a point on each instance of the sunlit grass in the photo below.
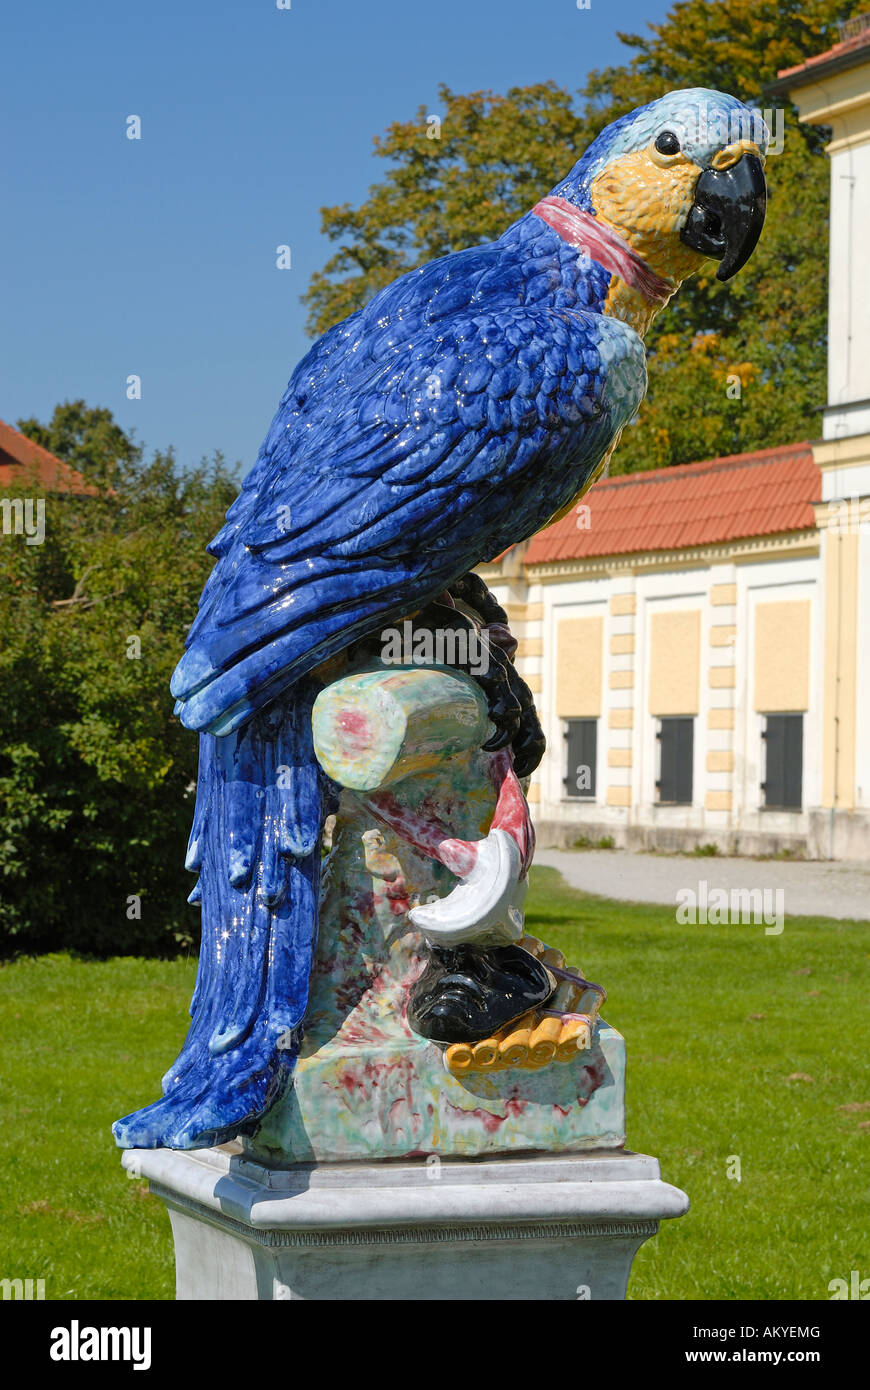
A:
[84,1042]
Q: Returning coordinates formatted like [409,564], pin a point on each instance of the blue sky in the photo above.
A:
[157,256]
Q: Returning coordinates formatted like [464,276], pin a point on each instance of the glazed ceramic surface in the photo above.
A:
[467,405]
[366,1084]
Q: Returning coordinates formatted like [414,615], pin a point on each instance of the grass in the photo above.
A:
[739,1044]
[84,1042]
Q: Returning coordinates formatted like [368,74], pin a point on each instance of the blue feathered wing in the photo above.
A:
[399,460]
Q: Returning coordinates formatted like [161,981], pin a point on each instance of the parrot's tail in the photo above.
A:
[260,806]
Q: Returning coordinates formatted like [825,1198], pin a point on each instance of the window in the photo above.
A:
[784,764]
[581,739]
[676,744]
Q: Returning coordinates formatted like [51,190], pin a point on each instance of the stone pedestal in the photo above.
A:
[558,1226]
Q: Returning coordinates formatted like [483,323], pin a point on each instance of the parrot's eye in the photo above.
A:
[667,143]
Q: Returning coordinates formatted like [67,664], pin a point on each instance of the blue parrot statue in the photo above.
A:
[467,405]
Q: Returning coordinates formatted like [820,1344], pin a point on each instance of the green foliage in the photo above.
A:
[96,774]
[494,158]
[584,842]
[86,437]
[498,154]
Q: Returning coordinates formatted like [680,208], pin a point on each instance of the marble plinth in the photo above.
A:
[548,1227]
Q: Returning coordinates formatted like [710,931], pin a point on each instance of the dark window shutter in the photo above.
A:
[774,776]
[783,778]
[677,740]
[794,760]
[667,786]
[685,758]
[581,739]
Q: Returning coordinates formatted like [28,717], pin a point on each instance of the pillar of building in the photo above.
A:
[721,681]
[620,666]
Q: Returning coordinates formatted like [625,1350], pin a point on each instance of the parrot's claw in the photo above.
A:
[505,707]
[529,744]
[536,1040]
[543,1035]
[503,735]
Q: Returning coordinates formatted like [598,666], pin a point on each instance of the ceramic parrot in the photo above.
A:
[467,405]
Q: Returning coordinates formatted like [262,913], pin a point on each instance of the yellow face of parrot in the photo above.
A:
[678,182]
[646,197]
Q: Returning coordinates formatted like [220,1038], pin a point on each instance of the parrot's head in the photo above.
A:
[679,181]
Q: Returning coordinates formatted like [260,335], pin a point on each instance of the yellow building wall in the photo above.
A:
[578,667]
[782,656]
[675,662]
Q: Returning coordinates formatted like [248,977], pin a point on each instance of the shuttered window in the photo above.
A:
[784,762]
[676,743]
[581,743]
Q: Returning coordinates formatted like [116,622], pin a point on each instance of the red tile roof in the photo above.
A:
[723,499]
[851,44]
[20,457]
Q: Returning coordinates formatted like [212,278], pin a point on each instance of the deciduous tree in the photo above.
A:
[95,771]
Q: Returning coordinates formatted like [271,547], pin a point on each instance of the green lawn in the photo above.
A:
[739,1044]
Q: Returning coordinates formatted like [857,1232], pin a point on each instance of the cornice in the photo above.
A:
[751,548]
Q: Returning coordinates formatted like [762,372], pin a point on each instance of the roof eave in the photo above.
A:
[808,73]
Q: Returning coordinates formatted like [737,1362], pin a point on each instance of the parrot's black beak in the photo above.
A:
[727,215]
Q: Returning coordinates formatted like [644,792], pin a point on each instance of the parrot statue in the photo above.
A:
[466,406]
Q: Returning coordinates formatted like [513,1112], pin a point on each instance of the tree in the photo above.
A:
[497,154]
[96,774]
[88,438]
[491,159]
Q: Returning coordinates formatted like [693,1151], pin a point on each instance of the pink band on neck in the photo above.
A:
[605,246]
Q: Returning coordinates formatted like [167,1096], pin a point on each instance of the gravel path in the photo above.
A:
[812,888]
